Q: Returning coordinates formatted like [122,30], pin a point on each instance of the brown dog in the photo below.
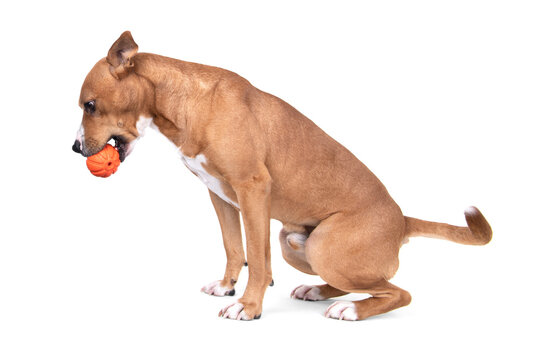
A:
[259,155]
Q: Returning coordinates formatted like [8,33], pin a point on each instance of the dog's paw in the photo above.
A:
[236,311]
[342,310]
[215,288]
[307,292]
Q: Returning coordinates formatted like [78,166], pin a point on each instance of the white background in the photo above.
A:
[439,99]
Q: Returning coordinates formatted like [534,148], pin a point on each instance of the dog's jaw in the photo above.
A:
[124,148]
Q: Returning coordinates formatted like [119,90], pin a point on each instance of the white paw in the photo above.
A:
[307,292]
[342,310]
[214,288]
[234,311]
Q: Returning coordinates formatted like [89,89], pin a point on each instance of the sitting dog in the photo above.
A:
[261,157]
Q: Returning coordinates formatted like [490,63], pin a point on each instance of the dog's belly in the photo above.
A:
[195,164]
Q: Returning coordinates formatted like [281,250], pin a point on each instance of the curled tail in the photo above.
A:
[478,231]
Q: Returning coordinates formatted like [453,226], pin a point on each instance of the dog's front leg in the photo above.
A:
[254,200]
[229,221]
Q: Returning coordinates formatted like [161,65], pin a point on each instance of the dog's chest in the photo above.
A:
[196,165]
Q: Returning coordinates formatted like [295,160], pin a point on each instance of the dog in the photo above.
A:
[260,156]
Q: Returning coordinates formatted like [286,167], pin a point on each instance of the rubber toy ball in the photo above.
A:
[104,163]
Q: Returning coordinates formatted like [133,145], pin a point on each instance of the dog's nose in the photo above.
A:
[77,147]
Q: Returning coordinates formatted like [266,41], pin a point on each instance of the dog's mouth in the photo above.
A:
[121,145]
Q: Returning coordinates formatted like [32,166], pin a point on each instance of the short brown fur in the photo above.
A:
[275,163]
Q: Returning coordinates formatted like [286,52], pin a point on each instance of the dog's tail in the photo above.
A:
[478,231]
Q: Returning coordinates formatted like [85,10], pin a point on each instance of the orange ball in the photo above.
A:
[105,162]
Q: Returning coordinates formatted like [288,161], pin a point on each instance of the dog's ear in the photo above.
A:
[120,54]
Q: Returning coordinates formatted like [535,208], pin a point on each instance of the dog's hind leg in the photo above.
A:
[292,239]
[358,253]
[316,292]
[384,297]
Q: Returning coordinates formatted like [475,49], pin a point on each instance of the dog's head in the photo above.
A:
[115,102]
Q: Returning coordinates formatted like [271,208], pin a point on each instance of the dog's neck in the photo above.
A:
[178,88]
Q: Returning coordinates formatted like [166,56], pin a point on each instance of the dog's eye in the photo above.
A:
[90,106]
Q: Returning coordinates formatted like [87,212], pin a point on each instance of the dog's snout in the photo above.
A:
[77,147]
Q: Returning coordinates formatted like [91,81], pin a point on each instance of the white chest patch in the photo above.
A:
[142,123]
[195,164]
[213,184]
